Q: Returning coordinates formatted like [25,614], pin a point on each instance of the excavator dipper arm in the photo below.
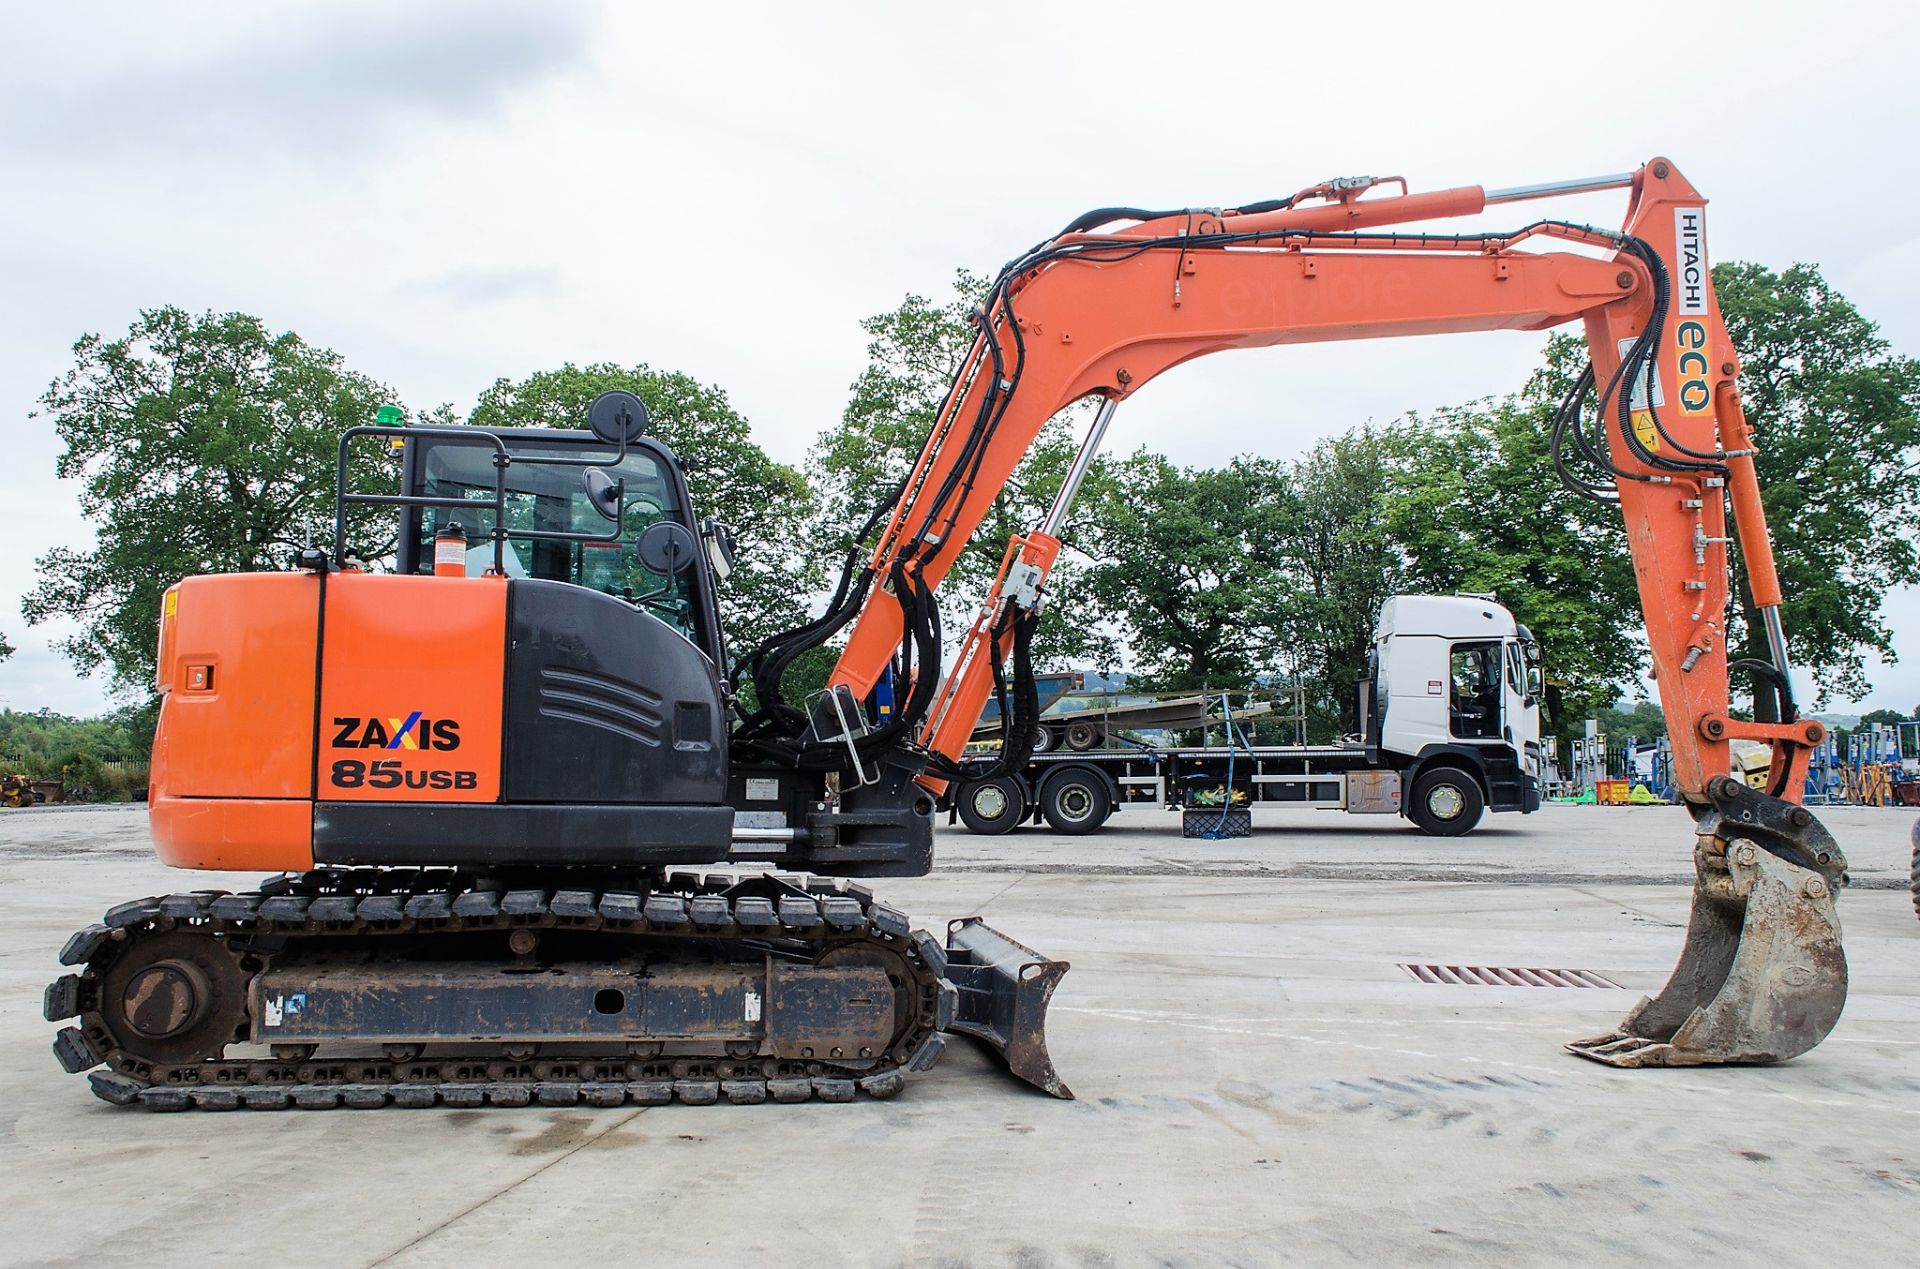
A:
[1123,295]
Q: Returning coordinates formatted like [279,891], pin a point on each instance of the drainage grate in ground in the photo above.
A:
[1506,976]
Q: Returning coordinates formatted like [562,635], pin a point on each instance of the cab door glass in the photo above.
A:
[1474,696]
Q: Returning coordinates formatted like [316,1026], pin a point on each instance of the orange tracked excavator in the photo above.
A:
[473,773]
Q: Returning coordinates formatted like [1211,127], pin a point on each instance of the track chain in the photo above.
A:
[800,911]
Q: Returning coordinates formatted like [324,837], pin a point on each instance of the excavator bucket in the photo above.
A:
[1762,977]
[1004,988]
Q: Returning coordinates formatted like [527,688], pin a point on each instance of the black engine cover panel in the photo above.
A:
[606,703]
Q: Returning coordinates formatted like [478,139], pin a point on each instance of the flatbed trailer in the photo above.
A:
[1076,793]
[1449,728]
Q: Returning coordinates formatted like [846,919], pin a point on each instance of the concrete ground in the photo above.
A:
[1259,1082]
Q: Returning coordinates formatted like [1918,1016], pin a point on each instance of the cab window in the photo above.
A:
[553,498]
[1474,698]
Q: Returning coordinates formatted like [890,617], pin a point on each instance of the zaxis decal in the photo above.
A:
[412,732]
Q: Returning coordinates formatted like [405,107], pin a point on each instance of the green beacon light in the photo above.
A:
[391,416]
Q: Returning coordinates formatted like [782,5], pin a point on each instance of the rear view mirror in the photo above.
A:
[603,491]
[666,548]
[618,418]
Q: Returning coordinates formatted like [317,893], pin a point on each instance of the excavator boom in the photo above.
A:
[1123,295]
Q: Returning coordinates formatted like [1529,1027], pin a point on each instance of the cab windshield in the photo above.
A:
[553,498]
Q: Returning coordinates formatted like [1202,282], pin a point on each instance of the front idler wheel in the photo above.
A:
[174,997]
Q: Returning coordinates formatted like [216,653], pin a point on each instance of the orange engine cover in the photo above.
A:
[232,782]
[413,673]
[409,706]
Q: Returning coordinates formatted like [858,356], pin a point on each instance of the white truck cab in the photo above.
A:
[1453,701]
[1449,729]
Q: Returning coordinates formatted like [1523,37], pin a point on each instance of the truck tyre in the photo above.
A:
[1084,734]
[1045,739]
[992,806]
[1076,801]
[1446,802]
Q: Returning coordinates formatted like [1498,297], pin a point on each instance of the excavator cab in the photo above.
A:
[601,550]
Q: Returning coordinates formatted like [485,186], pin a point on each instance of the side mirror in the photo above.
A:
[603,491]
[719,547]
[618,418]
[666,548]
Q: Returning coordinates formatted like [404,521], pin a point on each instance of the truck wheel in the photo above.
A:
[1075,802]
[993,806]
[1045,740]
[1083,735]
[1446,802]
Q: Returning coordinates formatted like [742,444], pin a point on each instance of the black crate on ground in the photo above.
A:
[1235,821]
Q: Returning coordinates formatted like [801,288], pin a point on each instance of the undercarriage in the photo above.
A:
[411,988]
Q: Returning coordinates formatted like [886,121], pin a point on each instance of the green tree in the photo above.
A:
[45,745]
[913,353]
[1477,507]
[202,445]
[1886,717]
[766,503]
[1337,561]
[1184,558]
[6,649]
[1645,722]
[1836,418]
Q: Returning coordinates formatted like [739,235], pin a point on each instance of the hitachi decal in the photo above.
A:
[1690,255]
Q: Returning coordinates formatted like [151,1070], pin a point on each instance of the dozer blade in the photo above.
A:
[1762,977]
[1004,988]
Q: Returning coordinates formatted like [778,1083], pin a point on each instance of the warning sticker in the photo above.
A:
[1643,428]
[1651,370]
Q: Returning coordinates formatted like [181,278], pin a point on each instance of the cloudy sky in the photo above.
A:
[447,193]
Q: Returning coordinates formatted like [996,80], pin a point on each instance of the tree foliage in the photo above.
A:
[766,503]
[1644,721]
[1177,566]
[203,445]
[914,351]
[1836,419]
[6,649]
[46,745]
[1477,507]
[1250,573]
[1338,560]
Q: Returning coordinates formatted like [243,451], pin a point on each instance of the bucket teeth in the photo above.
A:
[1762,976]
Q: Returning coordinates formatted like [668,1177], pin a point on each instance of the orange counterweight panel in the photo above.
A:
[232,834]
[412,685]
[233,753]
